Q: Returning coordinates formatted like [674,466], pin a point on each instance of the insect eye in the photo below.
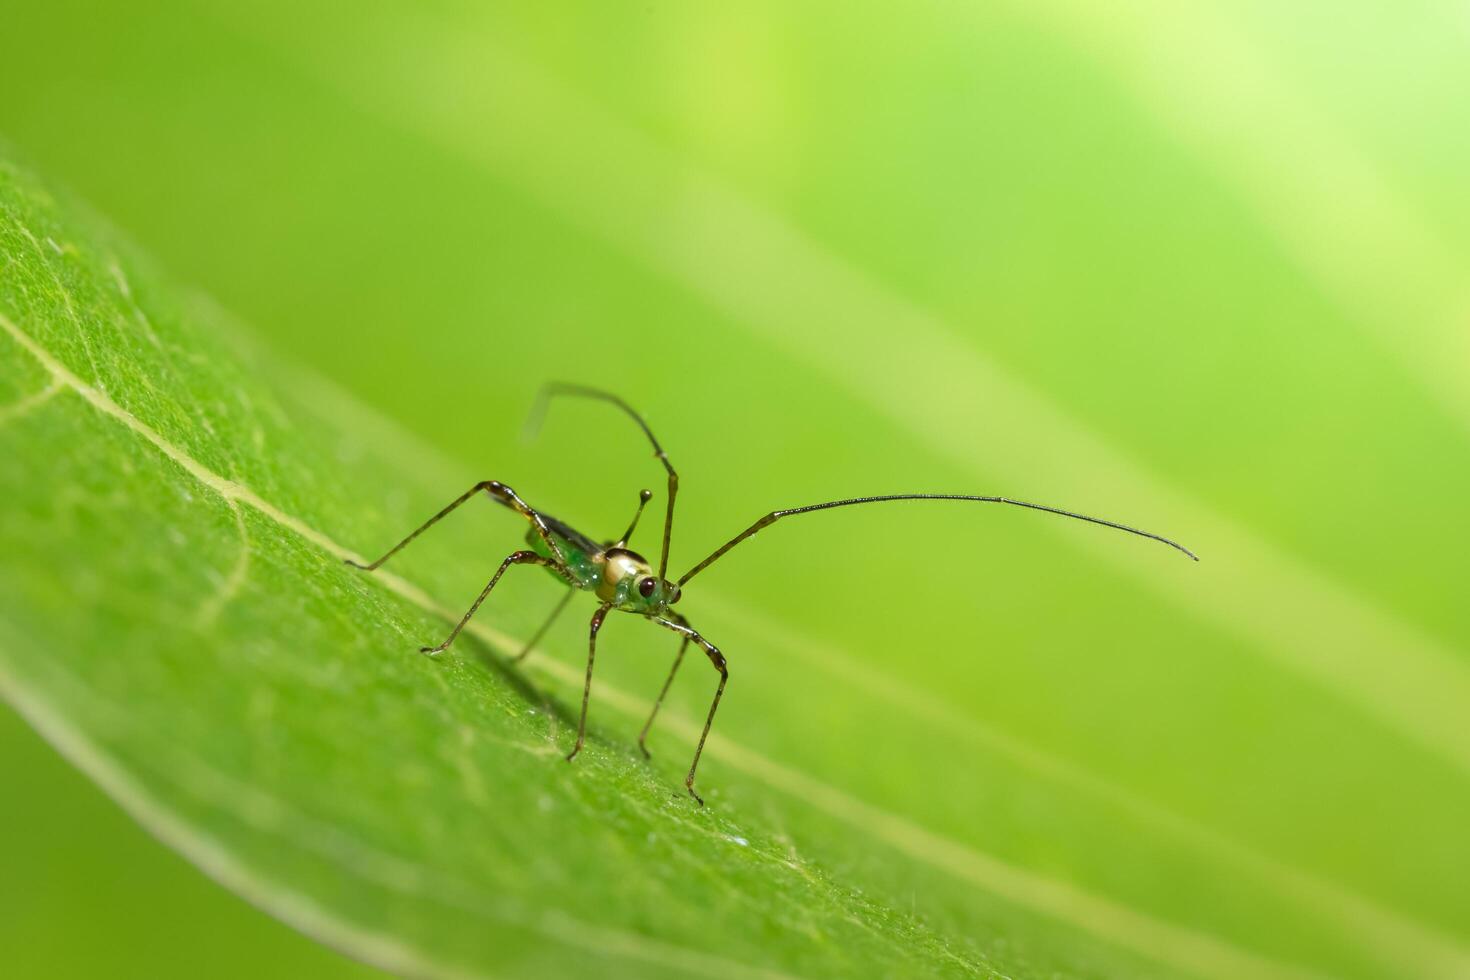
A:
[646,587]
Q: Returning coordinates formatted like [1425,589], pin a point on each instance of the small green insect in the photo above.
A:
[624,580]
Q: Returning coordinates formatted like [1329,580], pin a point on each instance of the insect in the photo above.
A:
[622,579]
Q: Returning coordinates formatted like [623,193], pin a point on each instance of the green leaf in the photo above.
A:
[1014,760]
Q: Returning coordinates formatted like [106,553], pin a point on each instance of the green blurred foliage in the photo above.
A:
[1223,242]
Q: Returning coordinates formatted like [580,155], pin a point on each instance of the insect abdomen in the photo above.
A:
[579,563]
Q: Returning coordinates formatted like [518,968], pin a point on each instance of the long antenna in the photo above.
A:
[538,412]
[776,515]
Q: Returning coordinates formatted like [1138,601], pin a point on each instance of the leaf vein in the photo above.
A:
[24,406]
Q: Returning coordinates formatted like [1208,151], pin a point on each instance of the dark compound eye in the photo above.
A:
[646,587]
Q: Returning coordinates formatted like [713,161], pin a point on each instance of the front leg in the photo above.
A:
[597,619]
[668,682]
[717,659]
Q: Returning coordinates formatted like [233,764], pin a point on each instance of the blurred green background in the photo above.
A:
[1196,267]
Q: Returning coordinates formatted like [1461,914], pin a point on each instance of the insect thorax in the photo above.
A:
[620,577]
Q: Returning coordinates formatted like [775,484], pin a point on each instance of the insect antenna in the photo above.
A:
[643,498]
[555,388]
[776,515]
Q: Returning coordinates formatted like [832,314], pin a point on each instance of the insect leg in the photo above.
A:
[718,660]
[498,492]
[679,659]
[515,558]
[597,618]
[536,638]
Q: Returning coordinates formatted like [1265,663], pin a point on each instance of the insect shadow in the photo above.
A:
[623,580]
[552,706]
